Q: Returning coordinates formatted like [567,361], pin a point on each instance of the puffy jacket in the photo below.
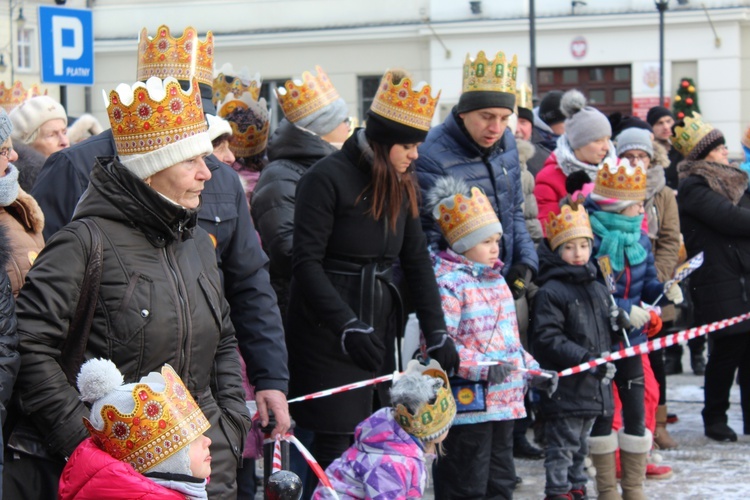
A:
[291,152]
[530,207]
[224,215]
[571,325]
[24,221]
[93,474]
[160,301]
[384,463]
[449,150]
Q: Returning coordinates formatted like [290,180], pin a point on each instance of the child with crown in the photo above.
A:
[147,438]
[616,210]
[481,318]
[571,324]
[388,457]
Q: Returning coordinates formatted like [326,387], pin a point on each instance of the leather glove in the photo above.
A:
[441,348]
[674,294]
[359,342]
[498,373]
[639,317]
[546,384]
[606,372]
[518,278]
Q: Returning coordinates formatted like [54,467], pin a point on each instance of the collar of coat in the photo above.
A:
[27,212]
[727,180]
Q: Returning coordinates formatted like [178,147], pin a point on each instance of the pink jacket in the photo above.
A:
[549,189]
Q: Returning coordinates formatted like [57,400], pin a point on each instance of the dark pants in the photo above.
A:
[478,462]
[629,380]
[246,481]
[657,366]
[565,453]
[728,354]
[30,477]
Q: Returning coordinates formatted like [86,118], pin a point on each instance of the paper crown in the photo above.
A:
[148,117]
[12,96]
[227,81]
[400,103]
[621,181]
[301,99]
[182,58]
[161,424]
[524,96]
[571,223]
[468,214]
[687,137]
[250,122]
[497,75]
[432,419]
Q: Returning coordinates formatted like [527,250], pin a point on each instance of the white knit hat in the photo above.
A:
[31,114]
[217,127]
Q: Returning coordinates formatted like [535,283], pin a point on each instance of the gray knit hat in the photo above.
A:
[635,138]
[6,127]
[313,103]
[584,124]
[326,119]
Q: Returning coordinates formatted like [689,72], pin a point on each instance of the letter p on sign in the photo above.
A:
[62,52]
[66,39]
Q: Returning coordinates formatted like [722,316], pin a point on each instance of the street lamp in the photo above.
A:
[661,6]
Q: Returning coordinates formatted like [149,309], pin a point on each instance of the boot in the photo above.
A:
[633,457]
[602,450]
[662,439]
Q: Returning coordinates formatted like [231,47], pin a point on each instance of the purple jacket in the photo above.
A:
[384,463]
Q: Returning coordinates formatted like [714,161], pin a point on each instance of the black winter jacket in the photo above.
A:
[570,325]
[225,215]
[291,152]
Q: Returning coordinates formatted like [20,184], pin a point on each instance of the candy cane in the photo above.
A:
[343,388]
[656,344]
[314,465]
[276,465]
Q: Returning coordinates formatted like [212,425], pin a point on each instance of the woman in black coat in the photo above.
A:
[356,214]
[714,207]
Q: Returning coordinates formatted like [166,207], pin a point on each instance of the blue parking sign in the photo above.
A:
[66,38]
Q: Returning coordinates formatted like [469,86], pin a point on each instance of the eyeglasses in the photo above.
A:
[6,152]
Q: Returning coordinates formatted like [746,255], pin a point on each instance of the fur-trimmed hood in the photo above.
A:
[29,212]
[661,155]
[525,151]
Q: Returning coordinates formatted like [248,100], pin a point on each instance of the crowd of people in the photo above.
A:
[166,272]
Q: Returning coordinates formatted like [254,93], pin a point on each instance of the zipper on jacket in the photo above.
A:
[627,282]
[183,312]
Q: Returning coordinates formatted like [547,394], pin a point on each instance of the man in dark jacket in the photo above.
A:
[549,125]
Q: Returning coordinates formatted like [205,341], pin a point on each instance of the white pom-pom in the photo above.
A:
[591,471]
[572,102]
[655,458]
[443,191]
[97,378]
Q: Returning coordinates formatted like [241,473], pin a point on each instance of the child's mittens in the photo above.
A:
[548,384]
[639,317]
[654,324]
[498,373]
[619,319]
[674,294]
[606,372]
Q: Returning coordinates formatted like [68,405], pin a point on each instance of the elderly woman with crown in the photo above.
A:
[714,207]
[356,213]
[160,298]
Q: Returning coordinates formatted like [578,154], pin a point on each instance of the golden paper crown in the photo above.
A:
[12,96]
[687,137]
[248,138]
[524,96]
[302,99]
[621,181]
[432,419]
[161,424]
[573,222]
[228,81]
[484,75]
[157,114]
[400,103]
[182,58]
[467,215]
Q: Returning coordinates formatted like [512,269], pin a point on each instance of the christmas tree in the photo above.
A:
[686,101]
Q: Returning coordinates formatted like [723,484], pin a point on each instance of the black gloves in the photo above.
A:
[546,384]
[498,373]
[518,278]
[362,345]
[441,348]
[606,372]
[620,319]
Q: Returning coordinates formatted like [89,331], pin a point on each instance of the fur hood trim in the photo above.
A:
[29,210]
[525,151]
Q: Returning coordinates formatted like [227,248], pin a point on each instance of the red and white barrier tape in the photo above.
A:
[276,463]
[343,388]
[314,465]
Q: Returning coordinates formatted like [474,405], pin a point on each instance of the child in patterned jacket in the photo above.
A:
[481,319]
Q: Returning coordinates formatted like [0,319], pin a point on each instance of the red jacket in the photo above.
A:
[92,474]
[549,189]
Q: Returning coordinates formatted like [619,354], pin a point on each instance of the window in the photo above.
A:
[570,76]
[622,74]
[546,77]
[622,96]
[368,87]
[607,88]
[23,45]
[596,74]
[597,96]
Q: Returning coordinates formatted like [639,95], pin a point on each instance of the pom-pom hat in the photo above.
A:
[584,124]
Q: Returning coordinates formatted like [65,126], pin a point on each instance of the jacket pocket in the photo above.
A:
[234,433]
[218,216]
[213,298]
[135,310]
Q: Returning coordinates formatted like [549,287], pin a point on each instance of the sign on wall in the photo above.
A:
[66,39]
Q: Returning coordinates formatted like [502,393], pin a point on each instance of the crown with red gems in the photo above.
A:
[228,81]
[463,215]
[301,99]
[182,58]
[397,101]
[621,181]
[571,223]
[250,122]
[160,425]
[497,75]
[12,96]
[432,419]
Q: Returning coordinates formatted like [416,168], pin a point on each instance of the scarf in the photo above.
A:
[9,186]
[568,163]
[620,238]
[727,180]
[656,180]
[191,490]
